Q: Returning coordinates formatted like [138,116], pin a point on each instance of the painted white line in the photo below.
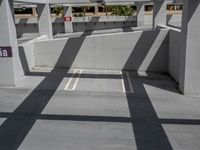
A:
[122,80]
[129,82]
[77,79]
[70,80]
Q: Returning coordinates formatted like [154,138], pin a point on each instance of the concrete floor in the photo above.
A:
[97,110]
[27,37]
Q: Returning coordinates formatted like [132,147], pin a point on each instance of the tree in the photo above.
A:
[121,10]
[59,10]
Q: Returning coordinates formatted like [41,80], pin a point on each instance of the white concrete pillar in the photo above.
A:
[34,12]
[96,10]
[159,12]
[68,24]
[44,20]
[190,52]
[140,14]
[10,65]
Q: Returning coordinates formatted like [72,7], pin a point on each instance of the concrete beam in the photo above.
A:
[123,2]
[88,2]
[190,53]
[44,20]
[159,12]
[31,1]
[10,65]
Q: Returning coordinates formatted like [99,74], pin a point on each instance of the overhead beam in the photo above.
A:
[31,1]
[88,2]
[120,2]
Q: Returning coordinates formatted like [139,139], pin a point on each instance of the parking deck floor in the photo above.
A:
[85,109]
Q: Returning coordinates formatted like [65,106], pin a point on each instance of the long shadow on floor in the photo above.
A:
[16,127]
[147,128]
[148,131]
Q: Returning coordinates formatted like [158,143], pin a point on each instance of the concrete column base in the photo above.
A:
[68,24]
[10,65]
[44,20]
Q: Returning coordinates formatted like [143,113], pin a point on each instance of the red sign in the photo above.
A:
[5,51]
[67,18]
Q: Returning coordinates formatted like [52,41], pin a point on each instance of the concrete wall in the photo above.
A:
[26,54]
[10,66]
[90,23]
[174,20]
[139,50]
[174,53]
[79,24]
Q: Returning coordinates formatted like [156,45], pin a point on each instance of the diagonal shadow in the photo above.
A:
[195,5]
[90,118]
[157,8]
[15,128]
[148,130]
[147,127]
[140,50]
[24,22]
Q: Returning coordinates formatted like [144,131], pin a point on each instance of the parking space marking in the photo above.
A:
[122,80]
[79,71]
[70,80]
[77,79]
[73,81]
[129,82]
[130,90]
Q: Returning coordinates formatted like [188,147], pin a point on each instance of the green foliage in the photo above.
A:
[58,10]
[121,10]
[78,15]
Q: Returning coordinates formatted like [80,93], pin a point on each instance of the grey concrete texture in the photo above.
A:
[45,116]
[142,50]
[44,20]
[174,20]
[189,58]
[30,25]
[159,13]
[140,14]
[174,53]
[26,51]
[10,67]
[24,26]
[68,24]
[104,31]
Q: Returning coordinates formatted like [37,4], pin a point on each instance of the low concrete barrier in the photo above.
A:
[139,50]
[174,53]
[26,53]
[90,23]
